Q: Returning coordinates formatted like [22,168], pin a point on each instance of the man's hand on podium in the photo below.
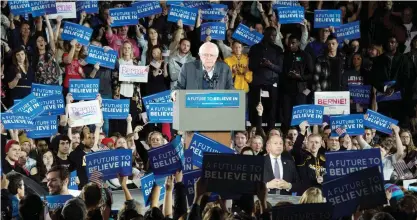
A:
[174,96]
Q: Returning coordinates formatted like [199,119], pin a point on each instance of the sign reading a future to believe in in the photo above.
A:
[212,100]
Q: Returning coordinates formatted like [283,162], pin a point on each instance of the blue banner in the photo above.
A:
[364,189]
[53,105]
[41,90]
[313,114]
[56,202]
[188,160]
[214,12]
[73,181]
[212,100]
[348,31]
[75,31]
[244,35]
[45,7]
[167,159]
[381,97]
[187,15]
[189,179]
[347,124]
[147,8]
[360,94]
[231,173]
[322,211]
[97,55]
[327,18]
[84,89]
[29,105]
[172,2]
[285,3]
[200,143]
[291,15]
[216,30]
[19,7]
[90,6]
[115,109]
[124,16]
[342,163]
[197,4]
[160,112]
[45,126]
[147,183]
[161,97]
[17,121]
[379,122]
[110,163]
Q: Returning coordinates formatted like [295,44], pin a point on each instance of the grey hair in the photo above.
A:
[207,45]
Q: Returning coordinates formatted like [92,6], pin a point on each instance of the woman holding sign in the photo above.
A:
[72,60]
[20,76]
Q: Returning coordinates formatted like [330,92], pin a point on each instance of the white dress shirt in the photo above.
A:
[281,170]
[211,73]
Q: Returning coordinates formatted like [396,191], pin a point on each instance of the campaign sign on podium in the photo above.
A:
[209,110]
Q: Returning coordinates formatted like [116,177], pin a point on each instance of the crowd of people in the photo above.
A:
[282,71]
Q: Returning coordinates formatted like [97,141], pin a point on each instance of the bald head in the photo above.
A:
[208,54]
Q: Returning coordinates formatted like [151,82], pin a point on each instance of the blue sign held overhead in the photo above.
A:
[45,7]
[41,90]
[244,35]
[313,114]
[197,4]
[348,31]
[327,18]
[147,183]
[322,211]
[75,31]
[350,124]
[160,112]
[110,163]
[161,97]
[115,109]
[188,160]
[53,105]
[29,105]
[19,7]
[167,159]
[379,122]
[212,100]
[98,55]
[17,121]
[84,89]
[73,181]
[360,94]
[291,15]
[381,97]
[56,202]
[45,126]
[214,12]
[124,16]
[285,3]
[187,15]
[147,8]
[90,6]
[189,179]
[216,30]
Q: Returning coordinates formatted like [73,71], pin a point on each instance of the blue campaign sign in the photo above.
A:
[98,55]
[110,163]
[381,97]
[167,159]
[285,3]
[147,183]
[90,6]
[200,143]
[56,202]
[351,124]
[188,160]
[214,12]
[172,2]
[212,100]
[364,189]
[115,109]
[40,8]
[29,105]
[291,15]
[189,179]
[379,122]
[84,89]
[147,8]
[360,93]
[45,126]
[216,30]
[41,90]
[75,31]
[53,105]
[244,35]
[160,112]
[232,173]
[17,121]
[124,16]
[197,4]
[322,211]
[160,97]
[327,18]
[313,114]
[19,7]
[73,181]
[341,163]
[348,31]
[187,15]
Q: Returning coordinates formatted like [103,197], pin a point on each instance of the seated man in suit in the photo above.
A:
[280,172]
[206,73]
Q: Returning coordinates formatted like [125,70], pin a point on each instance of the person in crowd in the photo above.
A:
[61,147]
[73,61]
[10,162]
[74,209]
[158,73]
[319,46]
[312,195]
[57,180]
[16,188]
[45,162]
[333,143]
[292,134]
[411,29]
[288,144]
[27,163]
[256,144]
[178,58]
[41,146]
[75,139]
[239,64]
[23,37]
[241,137]
[31,207]
[247,151]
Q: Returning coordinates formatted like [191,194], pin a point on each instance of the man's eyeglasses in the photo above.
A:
[207,55]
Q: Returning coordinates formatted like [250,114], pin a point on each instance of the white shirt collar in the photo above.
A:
[211,73]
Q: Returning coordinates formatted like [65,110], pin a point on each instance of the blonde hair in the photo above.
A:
[312,195]
[132,56]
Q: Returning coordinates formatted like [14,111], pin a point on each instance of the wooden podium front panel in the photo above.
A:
[223,137]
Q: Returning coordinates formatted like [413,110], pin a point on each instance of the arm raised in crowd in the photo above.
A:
[50,33]
[398,142]
[169,187]
[180,198]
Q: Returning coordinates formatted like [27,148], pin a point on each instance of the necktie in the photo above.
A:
[277,173]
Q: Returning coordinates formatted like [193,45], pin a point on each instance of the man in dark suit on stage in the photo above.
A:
[280,173]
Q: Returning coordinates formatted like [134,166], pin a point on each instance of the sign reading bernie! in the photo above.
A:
[85,113]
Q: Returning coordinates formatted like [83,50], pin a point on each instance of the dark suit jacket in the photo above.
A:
[191,76]
[290,174]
